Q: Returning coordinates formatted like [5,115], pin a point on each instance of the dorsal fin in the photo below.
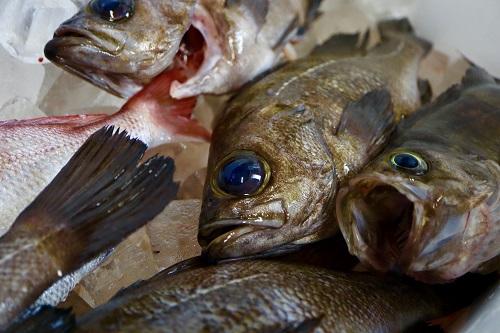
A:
[343,45]
[476,75]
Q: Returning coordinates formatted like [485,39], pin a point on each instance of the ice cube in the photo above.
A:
[18,79]
[64,93]
[192,187]
[19,108]
[173,233]
[131,261]
[27,25]
[188,156]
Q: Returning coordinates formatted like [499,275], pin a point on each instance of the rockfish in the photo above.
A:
[121,45]
[429,205]
[284,145]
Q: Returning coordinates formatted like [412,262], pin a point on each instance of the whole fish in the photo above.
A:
[283,145]
[120,45]
[33,151]
[95,201]
[429,205]
[263,296]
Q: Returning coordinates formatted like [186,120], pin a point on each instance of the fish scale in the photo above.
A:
[263,296]
[314,123]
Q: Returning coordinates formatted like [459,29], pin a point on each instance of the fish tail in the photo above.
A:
[402,28]
[44,319]
[100,197]
[174,116]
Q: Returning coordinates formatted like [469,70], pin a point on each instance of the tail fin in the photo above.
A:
[44,319]
[392,29]
[100,197]
[175,115]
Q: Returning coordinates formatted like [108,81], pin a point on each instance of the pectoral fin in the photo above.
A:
[368,123]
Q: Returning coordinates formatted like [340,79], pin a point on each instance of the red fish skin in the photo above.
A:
[32,151]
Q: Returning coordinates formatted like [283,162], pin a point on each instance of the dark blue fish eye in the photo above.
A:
[409,162]
[241,174]
[113,10]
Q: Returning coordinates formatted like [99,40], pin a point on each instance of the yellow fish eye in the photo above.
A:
[409,162]
[242,173]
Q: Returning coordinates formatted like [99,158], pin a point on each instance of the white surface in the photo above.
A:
[26,25]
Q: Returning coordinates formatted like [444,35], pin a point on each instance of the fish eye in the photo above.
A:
[113,10]
[409,162]
[241,173]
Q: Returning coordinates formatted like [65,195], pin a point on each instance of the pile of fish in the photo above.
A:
[342,155]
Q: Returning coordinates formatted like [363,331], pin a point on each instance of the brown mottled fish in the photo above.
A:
[263,296]
[99,197]
[429,205]
[121,45]
[283,145]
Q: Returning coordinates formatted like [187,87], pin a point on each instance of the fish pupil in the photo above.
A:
[407,161]
[113,10]
[241,176]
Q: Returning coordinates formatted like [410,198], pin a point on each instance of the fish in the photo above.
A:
[261,296]
[97,199]
[429,205]
[284,144]
[34,150]
[121,45]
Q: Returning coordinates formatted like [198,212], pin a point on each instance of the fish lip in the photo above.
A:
[73,36]
[358,243]
[207,231]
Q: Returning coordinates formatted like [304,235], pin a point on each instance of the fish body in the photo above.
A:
[284,144]
[98,198]
[429,205]
[263,296]
[33,151]
[238,39]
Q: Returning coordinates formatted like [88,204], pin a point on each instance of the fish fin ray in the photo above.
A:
[99,186]
[425,90]
[343,45]
[71,120]
[371,119]
[401,27]
[476,75]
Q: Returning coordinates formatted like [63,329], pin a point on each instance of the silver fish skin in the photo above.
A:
[238,39]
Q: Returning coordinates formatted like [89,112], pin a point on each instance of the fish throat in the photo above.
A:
[383,217]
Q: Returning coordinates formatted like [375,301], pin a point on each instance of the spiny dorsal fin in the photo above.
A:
[343,45]
[476,75]
[370,120]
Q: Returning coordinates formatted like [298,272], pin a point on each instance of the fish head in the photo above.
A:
[269,183]
[120,45]
[421,209]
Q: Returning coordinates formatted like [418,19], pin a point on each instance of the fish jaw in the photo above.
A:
[121,57]
[392,222]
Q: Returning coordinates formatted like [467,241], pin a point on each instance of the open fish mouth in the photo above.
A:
[379,217]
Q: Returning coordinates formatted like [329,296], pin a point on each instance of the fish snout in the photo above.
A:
[221,229]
